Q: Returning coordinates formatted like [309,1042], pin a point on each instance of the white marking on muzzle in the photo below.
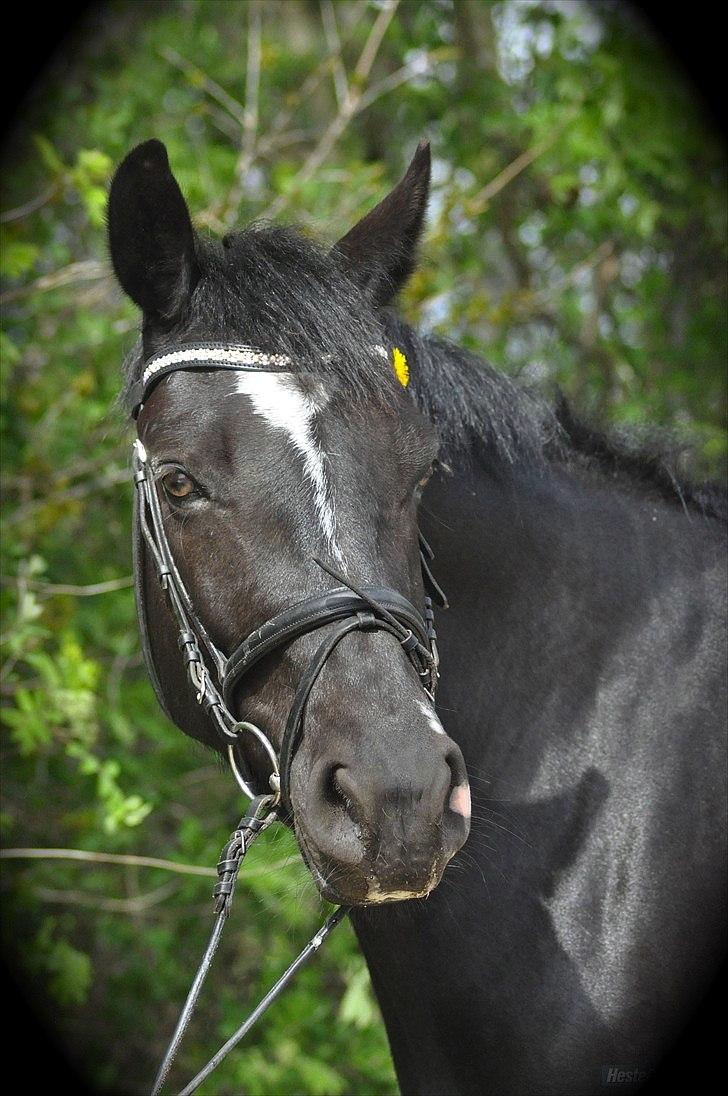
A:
[377,895]
[430,716]
[280,401]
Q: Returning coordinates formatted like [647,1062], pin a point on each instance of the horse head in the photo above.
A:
[259,474]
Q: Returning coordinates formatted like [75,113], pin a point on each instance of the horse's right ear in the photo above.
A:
[151,238]
[380,251]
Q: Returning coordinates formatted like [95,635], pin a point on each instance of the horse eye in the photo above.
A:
[177,484]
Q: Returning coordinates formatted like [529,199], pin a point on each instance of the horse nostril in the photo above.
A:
[338,789]
[458,799]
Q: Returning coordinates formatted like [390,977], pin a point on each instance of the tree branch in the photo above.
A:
[138,904]
[521,162]
[346,111]
[328,18]
[51,588]
[29,207]
[508,174]
[87,270]
[200,79]
[246,158]
[138,861]
[78,491]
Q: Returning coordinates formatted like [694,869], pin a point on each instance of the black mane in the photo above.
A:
[288,295]
[483,415]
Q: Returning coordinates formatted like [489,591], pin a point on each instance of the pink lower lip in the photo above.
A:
[460,800]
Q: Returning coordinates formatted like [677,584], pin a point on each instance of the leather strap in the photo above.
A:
[433,587]
[294,724]
[138,549]
[309,615]
[205,356]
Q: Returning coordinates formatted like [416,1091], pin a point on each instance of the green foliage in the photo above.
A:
[67,970]
[576,237]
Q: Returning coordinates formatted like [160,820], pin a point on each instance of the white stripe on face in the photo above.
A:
[280,401]
[430,716]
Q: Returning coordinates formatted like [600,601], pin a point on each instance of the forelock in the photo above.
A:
[274,289]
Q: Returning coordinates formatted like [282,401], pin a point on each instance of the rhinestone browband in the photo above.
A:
[209,356]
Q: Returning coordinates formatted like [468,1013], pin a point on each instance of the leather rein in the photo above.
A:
[215,677]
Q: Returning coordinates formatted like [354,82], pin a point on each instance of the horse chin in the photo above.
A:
[370,892]
[357,888]
[367,892]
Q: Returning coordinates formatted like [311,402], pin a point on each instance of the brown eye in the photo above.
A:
[177,484]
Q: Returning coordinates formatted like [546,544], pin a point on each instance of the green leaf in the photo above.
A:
[17,258]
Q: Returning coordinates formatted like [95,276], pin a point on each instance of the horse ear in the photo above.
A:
[151,239]
[380,251]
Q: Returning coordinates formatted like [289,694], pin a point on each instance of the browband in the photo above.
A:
[209,355]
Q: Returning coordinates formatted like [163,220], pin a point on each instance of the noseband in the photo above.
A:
[342,610]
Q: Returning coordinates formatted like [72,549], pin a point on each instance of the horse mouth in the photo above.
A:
[373,895]
[362,889]
[378,897]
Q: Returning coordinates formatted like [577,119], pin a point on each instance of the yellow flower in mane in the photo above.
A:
[400,366]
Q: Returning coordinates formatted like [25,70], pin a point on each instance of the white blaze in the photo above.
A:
[280,401]
[431,717]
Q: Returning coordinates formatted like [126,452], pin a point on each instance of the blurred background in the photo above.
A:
[576,237]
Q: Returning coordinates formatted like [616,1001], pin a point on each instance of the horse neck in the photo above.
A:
[583,611]
[547,573]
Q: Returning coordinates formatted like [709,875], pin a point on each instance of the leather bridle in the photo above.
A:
[215,676]
[342,610]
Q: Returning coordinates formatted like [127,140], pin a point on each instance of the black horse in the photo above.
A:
[583,673]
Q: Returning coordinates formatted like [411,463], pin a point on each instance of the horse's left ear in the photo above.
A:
[380,251]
